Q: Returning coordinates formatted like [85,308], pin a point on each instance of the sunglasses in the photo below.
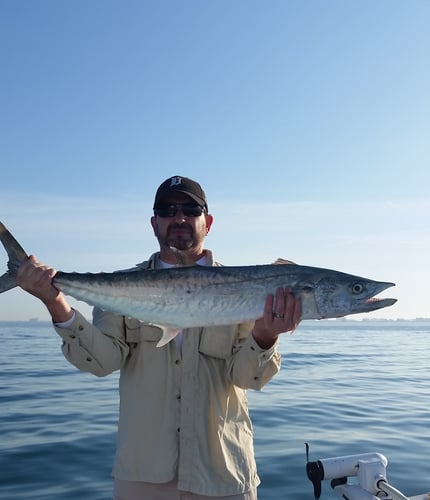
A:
[188,209]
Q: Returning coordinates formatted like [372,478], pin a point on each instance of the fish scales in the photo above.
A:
[186,296]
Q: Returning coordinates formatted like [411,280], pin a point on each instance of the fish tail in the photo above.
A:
[16,255]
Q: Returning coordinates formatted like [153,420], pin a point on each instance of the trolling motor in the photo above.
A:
[370,469]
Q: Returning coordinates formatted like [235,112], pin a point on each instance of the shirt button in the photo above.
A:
[80,328]
[177,361]
[89,359]
[72,336]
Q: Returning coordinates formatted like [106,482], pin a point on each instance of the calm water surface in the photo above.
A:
[345,387]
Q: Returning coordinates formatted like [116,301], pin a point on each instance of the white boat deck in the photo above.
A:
[369,470]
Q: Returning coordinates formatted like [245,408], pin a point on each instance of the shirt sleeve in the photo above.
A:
[251,366]
[66,324]
[98,348]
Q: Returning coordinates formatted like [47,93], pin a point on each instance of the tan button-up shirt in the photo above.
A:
[183,413]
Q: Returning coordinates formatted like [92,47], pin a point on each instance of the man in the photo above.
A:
[184,430]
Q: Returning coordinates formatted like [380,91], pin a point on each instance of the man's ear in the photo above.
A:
[209,221]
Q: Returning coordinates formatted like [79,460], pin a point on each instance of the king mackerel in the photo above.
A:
[191,296]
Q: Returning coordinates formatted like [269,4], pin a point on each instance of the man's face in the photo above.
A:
[184,232]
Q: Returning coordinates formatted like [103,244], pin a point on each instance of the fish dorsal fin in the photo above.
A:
[182,258]
[280,261]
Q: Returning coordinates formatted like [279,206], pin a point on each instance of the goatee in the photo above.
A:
[180,241]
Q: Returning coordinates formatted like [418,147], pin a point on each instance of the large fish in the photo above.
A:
[185,297]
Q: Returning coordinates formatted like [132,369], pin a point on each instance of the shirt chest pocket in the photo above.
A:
[218,341]
[136,331]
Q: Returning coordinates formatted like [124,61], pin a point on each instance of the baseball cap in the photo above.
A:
[181,185]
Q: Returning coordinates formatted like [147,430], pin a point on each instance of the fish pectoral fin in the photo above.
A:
[169,333]
[281,261]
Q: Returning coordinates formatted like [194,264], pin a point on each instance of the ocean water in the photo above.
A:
[345,387]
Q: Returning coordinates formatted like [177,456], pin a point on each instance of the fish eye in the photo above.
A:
[357,288]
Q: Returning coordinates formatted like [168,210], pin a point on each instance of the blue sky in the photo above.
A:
[307,122]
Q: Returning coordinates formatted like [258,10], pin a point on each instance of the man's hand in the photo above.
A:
[36,278]
[282,313]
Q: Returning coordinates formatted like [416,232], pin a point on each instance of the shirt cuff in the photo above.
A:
[66,324]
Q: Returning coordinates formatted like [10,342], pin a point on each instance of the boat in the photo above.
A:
[369,471]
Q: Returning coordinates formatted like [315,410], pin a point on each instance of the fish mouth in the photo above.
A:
[373,303]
